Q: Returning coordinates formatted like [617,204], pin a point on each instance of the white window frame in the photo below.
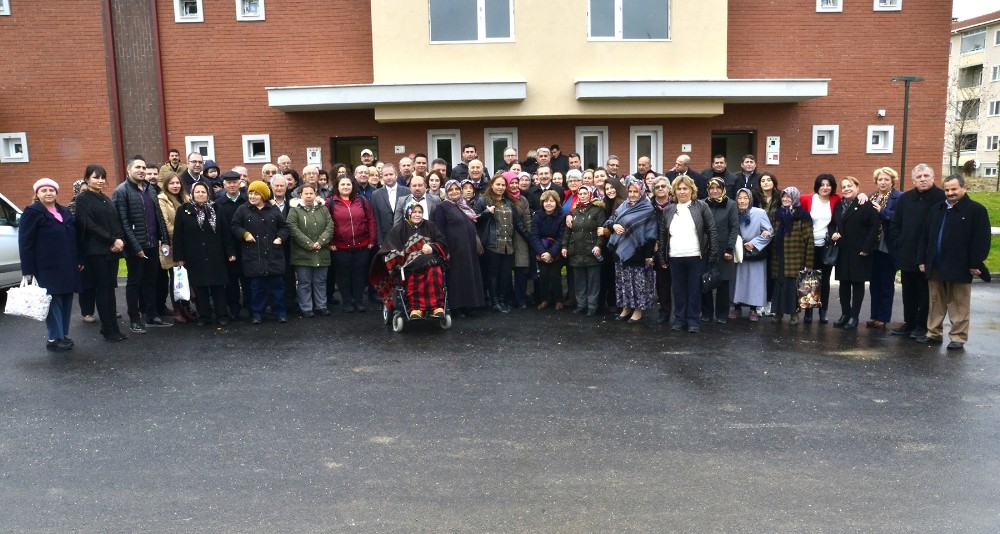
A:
[603,146]
[192,142]
[179,16]
[249,140]
[656,158]
[456,143]
[619,25]
[994,109]
[990,172]
[995,74]
[241,13]
[480,26]
[831,144]
[996,38]
[830,6]
[886,133]
[489,135]
[4,7]
[7,142]
[974,50]
[993,142]
[887,5]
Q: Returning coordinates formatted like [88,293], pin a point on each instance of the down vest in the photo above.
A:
[262,257]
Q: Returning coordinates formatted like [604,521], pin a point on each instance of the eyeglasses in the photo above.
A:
[661,186]
[193,161]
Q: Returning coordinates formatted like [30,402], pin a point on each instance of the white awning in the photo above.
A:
[367,96]
[730,91]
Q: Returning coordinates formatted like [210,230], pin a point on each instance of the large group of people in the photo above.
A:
[629,244]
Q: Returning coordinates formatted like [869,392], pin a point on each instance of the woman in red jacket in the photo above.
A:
[820,206]
[353,238]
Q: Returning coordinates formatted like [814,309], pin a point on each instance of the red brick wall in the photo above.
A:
[55,88]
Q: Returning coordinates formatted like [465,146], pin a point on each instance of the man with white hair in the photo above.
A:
[284,163]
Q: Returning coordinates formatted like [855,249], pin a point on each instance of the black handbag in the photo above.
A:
[830,252]
[711,280]
[755,254]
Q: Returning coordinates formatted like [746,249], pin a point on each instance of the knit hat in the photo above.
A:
[45,182]
[261,189]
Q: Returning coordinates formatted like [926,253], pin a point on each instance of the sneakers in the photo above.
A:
[59,345]
[89,319]
[158,322]
[137,327]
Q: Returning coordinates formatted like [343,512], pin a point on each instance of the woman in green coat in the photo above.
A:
[584,249]
[310,228]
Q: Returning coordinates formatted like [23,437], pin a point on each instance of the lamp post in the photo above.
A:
[906,121]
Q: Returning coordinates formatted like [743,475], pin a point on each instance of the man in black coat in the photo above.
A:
[748,177]
[908,225]
[682,167]
[194,172]
[544,184]
[720,169]
[953,250]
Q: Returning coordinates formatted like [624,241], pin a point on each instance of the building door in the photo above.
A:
[445,144]
[592,145]
[735,145]
[496,140]
[347,150]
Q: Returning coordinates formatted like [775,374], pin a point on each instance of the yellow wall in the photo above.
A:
[550,51]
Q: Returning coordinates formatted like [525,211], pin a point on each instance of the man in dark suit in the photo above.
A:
[682,167]
[418,186]
[544,184]
[194,172]
[384,200]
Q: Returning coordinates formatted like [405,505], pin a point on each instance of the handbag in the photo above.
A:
[830,252]
[808,285]
[182,289]
[29,300]
[711,280]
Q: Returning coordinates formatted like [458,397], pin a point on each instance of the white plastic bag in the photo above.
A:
[30,300]
[182,291]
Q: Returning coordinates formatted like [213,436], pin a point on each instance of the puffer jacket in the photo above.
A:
[128,201]
[308,225]
[263,257]
[580,240]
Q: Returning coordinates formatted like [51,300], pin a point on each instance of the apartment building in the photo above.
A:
[972,129]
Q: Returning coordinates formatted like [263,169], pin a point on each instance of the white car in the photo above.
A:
[10,258]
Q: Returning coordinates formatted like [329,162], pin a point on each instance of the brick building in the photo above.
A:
[246,81]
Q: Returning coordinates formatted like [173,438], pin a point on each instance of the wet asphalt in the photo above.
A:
[527,422]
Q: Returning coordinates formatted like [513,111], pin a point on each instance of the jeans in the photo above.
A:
[272,286]
[499,272]
[587,282]
[60,311]
[882,286]
[686,281]
[549,286]
[310,287]
[141,285]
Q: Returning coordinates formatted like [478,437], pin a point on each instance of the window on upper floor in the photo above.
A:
[973,42]
[967,110]
[888,5]
[880,138]
[995,74]
[249,9]
[996,38]
[638,20]
[994,108]
[826,139]
[14,147]
[970,77]
[188,11]
[202,144]
[471,20]
[968,142]
[4,7]
[257,148]
[992,142]
[833,6]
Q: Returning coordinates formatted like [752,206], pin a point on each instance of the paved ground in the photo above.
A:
[532,422]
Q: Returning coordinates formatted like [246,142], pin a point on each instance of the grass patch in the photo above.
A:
[993,261]
[992,203]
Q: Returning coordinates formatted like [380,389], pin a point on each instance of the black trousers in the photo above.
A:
[352,268]
[852,294]
[141,285]
[205,304]
[716,304]
[663,290]
[824,288]
[549,286]
[916,299]
[499,274]
[104,276]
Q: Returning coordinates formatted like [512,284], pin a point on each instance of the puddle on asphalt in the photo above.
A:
[860,354]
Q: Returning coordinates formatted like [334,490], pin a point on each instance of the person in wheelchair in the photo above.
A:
[413,255]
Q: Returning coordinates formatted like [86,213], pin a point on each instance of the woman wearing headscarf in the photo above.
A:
[583,248]
[854,229]
[456,221]
[547,228]
[522,245]
[498,220]
[751,275]
[633,231]
[660,198]
[416,248]
[99,232]
[47,244]
[792,251]
[687,243]
[885,257]
[171,196]
[716,302]
[204,247]
[310,229]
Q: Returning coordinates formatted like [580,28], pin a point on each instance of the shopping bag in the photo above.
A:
[808,284]
[30,300]
[182,290]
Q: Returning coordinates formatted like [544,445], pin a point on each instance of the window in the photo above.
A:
[970,77]
[992,142]
[880,139]
[496,140]
[826,139]
[995,77]
[967,110]
[990,172]
[888,5]
[645,141]
[973,42]
[445,144]
[968,142]
[257,148]
[629,19]
[471,20]
[188,11]
[202,144]
[592,145]
[996,38]
[4,7]
[832,6]
[994,108]
[249,9]
[14,147]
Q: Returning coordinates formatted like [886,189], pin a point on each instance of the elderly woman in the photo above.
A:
[884,258]
[262,231]
[47,244]
[456,221]
[751,275]
[498,219]
[726,229]
[416,248]
[547,229]
[687,243]
[632,228]
[171,197]
[573,182]
[660,199]
[583,248]
[854,230]
[204,246]
[792,251]
[310,229]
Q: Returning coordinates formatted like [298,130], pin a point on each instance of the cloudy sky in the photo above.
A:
[966,9]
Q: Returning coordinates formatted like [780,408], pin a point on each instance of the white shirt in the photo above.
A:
[391,194]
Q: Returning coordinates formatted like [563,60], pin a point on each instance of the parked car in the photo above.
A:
[10,259]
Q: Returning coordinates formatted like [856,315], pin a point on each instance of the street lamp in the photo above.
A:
[906,121]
